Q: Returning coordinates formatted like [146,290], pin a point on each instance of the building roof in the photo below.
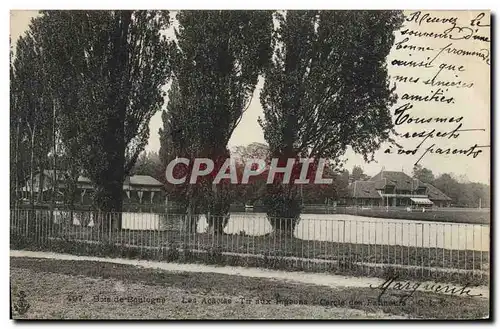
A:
[363,189]
[83,179]
[435,194]
[401,181]
[398,179]
[132,180]
[143,180]
[50,174]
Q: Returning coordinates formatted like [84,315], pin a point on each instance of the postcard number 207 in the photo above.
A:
[75,298]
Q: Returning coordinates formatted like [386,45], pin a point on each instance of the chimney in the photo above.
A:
[415,184]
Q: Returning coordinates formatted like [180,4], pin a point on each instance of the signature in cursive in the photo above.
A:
[409,288]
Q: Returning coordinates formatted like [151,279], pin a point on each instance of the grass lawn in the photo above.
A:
[456,215]
[59,289]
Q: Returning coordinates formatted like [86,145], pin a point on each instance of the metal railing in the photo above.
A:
[337,243]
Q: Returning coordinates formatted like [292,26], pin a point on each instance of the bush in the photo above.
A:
[214,255]
[172,252]
[234,261]
[130,252]
[279,206]
[187,254]
[19,241]
[389,272]
[283,213]
[347,263]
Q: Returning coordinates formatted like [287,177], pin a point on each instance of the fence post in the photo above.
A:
[465,250]
[110,226]
[444,244]
[422,243]
[27,222]
[451,246]
[473,251]
[481,251]
[343,240]
[99,224]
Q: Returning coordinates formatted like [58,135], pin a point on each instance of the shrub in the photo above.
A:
[346,263]
[214,255]
[172,252]
[283,213]
[187,254]
[234,260]
[130,252]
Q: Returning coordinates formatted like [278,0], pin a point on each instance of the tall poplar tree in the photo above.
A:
[218,56]
[326,89]
[106,70]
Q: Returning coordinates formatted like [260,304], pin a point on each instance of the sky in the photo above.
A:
[471,103]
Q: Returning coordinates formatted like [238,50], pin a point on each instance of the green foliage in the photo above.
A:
[325,193]
[251,151]
[215,256]
[218,205]
[187,254]
[31,113]
[358,174]
[148,163]
[255,189]
[327,87]
[464,194]
[106,72]
[423,174]
[173,252]
[283,211]
[217,58]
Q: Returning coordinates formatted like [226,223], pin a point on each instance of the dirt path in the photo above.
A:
[57,288]
[60,296]
[329,280]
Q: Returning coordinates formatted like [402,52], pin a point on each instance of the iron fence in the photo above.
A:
[338,243]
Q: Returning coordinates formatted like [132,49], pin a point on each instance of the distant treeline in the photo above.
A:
[463,194]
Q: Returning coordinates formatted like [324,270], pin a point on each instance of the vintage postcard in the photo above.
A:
[250,164]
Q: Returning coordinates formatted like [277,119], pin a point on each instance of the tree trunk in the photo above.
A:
[41,182]
[283,226]
[217,223]
[218,214]
[219,201]
[71,186]
[192,216]
[110,180]
[31,216]
[55,182]
[283,208]
[17,166]
[32,170]
[108,198]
